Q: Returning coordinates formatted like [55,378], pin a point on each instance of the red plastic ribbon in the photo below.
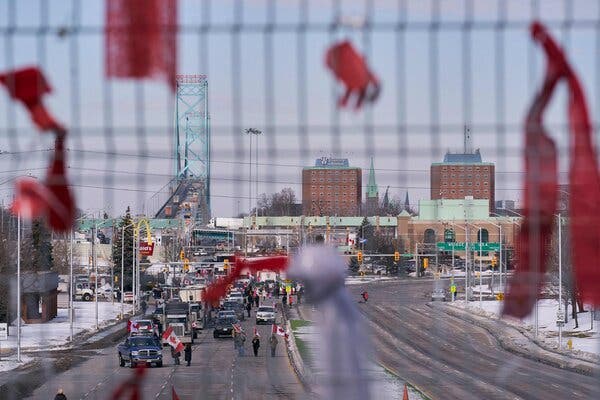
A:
[541,182]
[28,85]
[218,290]
[141,39]
[351,69]
[51,199]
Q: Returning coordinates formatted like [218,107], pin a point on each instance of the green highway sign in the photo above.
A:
[458,246]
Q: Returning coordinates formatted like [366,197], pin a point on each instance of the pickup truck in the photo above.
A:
[83,292]
[140,350]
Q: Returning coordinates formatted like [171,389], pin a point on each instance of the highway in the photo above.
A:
[448,358]
[216,372]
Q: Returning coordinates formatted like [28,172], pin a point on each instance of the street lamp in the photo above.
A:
[466,229]
[253,132]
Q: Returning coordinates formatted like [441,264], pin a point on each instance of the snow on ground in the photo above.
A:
[358,280]
[8,363]
[382,384]
[56,332]
[585,338]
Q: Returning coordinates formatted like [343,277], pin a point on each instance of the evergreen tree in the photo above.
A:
[126,222]
[36,248]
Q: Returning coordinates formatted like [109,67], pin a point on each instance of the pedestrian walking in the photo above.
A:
[248,308]
[291,300]
[250,299]
[175,355]
[60,395]
[284,300]
[187,354]
[144,306]
[273,343]
[255,345]
[256,299]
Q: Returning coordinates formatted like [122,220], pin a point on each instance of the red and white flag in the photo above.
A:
[256,332]
[172,339]
[279,331]
[237,328]
[133,327]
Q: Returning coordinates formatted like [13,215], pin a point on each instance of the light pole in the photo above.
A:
[560,313]
[18,287]
[253,132]
[480,271]
[465,228]
[71,287]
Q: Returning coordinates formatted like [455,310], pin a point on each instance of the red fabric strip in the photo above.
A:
[540,199]
[28,85]
[141,39]
[351,69]
[218,290]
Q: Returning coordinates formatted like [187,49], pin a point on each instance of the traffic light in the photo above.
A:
[226,264]
[186,265]
[396,256]
[425,263]
[359,257]
[181,255]
[494,261]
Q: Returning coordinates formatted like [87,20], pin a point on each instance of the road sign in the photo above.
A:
[560,318]
[146,249]
[3,331]
[460,246]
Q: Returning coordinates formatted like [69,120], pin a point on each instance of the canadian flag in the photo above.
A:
[133,327]
[237,328]
[172,339]
[256,332]
[279,331]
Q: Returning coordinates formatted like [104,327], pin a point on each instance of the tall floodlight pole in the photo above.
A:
[71,287]
[133,271]
[253,132]
[19,287]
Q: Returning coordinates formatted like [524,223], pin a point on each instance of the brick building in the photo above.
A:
[461,175]
[331,187]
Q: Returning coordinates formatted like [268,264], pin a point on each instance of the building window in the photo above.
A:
[469,183]
[462,191]
[453,191]
[485,183]
[483,236]
[476,183]
[429,236]
[449,235]
[453,176]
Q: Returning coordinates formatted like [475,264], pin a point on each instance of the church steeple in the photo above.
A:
[372,190]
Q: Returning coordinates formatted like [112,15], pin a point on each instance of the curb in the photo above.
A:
[544,355]
[304,375]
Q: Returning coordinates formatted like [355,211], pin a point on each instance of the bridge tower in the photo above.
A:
[192,142]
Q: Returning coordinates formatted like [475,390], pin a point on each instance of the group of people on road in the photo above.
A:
[187,355]
[239,339]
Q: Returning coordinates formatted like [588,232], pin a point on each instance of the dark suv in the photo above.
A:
[224,327]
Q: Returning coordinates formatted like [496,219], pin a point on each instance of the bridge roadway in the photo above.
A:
[449,358]
[216,372]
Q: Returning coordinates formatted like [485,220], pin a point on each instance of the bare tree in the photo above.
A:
[277,204]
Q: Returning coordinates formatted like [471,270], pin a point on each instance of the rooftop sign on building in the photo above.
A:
[332,162]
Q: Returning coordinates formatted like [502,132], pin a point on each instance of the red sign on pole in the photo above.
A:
[146,249]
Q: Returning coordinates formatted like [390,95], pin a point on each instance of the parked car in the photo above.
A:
[224,326]
[140,350]
[265,314]
[226,314]
[128,297]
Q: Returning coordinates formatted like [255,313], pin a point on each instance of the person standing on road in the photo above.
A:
[255,344]
[273,343]
[187,354]
[256,299]
[248,308]
[175,355]
[60,395]
[143,306]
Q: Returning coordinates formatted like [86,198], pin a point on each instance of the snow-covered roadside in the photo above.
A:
[55,333]
[358,280]
[584,339]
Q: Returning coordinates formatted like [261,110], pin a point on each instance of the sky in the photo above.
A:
[122,132]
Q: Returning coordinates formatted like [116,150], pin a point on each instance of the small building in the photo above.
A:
[39,292]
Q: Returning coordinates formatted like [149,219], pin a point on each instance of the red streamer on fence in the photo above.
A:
[218,290]
[141,39]
[584,187]
[28,85]
[539,205]
[51,199]
[584,179]
[351,69]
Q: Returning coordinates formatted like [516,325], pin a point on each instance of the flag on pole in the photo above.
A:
[256,332]
[276,329]
[237,328]
[172,339]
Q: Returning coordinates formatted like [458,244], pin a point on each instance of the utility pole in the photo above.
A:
[19,287]
[95,262]
[71,287]
[253,132]
[122,270]
[560,313]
